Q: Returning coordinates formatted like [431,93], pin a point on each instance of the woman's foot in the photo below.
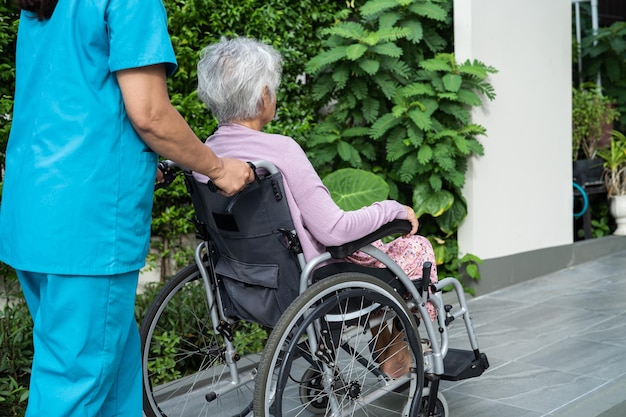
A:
[391,352]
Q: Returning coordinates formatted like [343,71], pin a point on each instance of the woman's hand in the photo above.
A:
[410,216]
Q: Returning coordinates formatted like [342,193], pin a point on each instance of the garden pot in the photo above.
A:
[617,207]
[588,171]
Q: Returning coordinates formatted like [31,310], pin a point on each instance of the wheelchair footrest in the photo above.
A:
[462,364]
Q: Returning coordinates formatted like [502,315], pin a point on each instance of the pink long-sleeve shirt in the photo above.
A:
[318,221]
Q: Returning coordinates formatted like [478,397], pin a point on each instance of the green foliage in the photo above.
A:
[194,24]
[397,103]
[163,368]
[615,164]
[352,188]
[591,113]
[16,345]
[605,53]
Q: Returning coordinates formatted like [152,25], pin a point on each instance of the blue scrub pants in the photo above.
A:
[87,352]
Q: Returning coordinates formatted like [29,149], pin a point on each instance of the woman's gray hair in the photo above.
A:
[232,75]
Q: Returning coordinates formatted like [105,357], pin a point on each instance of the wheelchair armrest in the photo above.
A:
[393,227]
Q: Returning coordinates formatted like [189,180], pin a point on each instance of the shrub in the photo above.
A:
[398,104]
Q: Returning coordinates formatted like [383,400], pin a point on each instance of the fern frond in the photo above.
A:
[408,167]
[435,182]
[469,97]
[442,157]
[374,7]
[358,87]
[482,87]
[371,109]
[436,64]
[348,153]
[353,132]
[355,51]
[397,145]
[421,119]
[322,88]
[476,68]
[392,34]
[424,154]
[433,40]
[340,76]
[443,134]
[476,147]
[472,129]
[397,67]
[370,66]
[416,33]
[387,20]
[415,136]
[429,10]
[387,49]
[459,112]
[348,30]
[325,58]
[383,124]
[417,89]
[386,85]
[367,149]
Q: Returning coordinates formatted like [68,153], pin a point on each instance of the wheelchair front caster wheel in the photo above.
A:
[441,405]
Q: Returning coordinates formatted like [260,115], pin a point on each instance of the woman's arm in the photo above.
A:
[164,130]
[328,223]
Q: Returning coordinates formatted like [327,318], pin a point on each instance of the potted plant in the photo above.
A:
[615,178]
[592,118]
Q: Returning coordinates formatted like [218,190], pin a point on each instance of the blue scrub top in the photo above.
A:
[77,194]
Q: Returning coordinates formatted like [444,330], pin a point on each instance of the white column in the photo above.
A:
[519,193]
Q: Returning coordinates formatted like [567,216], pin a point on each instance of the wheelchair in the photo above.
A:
[251,328]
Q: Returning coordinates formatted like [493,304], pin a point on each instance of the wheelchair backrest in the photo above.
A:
[254,236]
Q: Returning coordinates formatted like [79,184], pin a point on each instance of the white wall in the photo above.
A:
[519,193]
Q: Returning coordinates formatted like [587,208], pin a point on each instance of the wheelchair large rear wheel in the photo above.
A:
[322,358]
[183,357]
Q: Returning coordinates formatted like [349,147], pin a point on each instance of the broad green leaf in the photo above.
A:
[352,188]
[452,82]
[427,201]
[451,220]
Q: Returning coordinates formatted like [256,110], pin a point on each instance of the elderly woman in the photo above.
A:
[237,80]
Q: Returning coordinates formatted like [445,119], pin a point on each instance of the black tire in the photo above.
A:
[183,357]
[291,374]
[441,405]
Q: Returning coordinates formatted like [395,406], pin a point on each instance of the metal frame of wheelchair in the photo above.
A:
[306,334]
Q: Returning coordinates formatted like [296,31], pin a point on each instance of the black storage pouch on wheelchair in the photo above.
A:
[259,275]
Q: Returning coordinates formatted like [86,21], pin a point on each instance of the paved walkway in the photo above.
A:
[556,345]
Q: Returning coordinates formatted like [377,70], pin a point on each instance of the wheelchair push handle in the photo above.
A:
[170,169]
[253,165]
